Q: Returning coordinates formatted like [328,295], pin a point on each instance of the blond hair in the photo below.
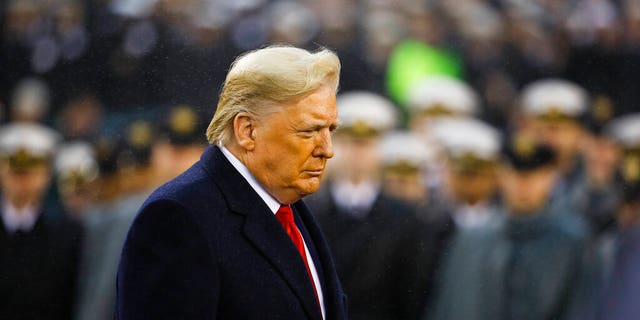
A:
[262,78]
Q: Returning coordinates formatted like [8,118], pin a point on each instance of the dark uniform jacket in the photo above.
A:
[385,257]
[512,269]
[38,269]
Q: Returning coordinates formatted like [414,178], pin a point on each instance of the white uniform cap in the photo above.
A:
[554,95]
[464,136]
[405,147]
[34,139]
[451,94]
[368,110]
[626,130]
[76,158]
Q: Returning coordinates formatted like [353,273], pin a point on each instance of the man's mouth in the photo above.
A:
[314,173]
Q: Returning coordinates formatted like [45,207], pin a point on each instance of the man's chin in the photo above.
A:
[310,186]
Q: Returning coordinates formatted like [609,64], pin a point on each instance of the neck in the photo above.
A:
[137,180]
[22,204]
[566,163]
[238,152]
[524,213]
[107,188]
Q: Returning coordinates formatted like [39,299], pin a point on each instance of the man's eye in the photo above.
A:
[306,133]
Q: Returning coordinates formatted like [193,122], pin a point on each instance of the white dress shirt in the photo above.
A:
[356,199]
[15,219]
[472,216]
[274,205]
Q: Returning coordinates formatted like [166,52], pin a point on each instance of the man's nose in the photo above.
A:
[324,147]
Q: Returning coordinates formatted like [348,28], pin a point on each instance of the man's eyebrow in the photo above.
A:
[320,125]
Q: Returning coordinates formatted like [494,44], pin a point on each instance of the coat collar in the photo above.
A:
[261,227]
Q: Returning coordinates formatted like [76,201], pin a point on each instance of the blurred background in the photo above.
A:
[504,128]
[137,55]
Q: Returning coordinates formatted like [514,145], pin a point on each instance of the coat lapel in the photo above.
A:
[332,289]
[262,229]
[269,237]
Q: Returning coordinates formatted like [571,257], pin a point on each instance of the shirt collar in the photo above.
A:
[269,200]
[471,216]
[15,219]
[359,197]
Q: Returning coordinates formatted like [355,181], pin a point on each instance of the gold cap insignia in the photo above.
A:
[183,120]
[402,167]
[602,109]
[554,114]
[470,161]
[361,129]
[524,145]
[140,134]
[22,158]
[631,165]
[437,110]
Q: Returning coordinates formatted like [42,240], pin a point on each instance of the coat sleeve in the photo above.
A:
[166,269]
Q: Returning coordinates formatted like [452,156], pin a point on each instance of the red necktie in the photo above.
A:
[285,216]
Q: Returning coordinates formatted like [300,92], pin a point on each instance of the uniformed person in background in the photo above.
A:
[619,297]
[438,96]
[624,281]
[97,224]
[432,99]
[467,197]
[179,143]
[468,192]
[405,159]
[596,191]
[39,248]
[76,171]
[623,286]
[107,185]
[553,111]
[612,285]
[365,228]
[133,157]
[107,229]
[525,262]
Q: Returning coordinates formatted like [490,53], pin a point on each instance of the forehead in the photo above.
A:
[320,105]
[26,170]
[568,123]
[532,173]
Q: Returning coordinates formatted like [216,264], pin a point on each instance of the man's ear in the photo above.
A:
[244,130]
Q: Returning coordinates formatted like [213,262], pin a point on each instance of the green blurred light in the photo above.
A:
[411,61]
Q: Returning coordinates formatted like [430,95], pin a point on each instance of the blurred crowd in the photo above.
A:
[487,166]
[147,53]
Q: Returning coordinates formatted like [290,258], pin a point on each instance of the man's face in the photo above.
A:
[563,136]
[471,186]
[602,156]
[292,146]
[526,191]
[410,187]
[359,158]
[24,186]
